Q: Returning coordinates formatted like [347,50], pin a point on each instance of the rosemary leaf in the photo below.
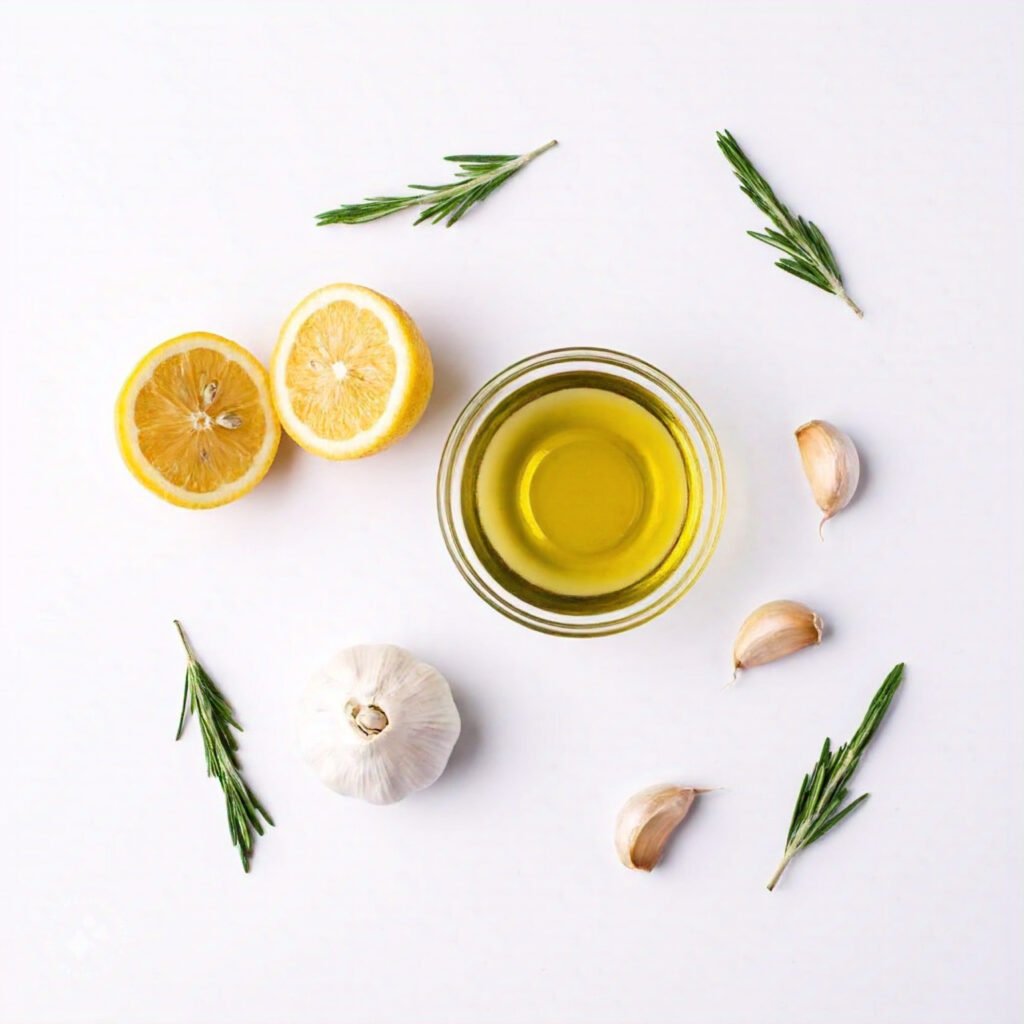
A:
[809,256]
[216,720]
[819,805]
[479,175]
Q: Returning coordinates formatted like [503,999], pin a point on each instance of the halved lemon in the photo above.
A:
[195,421]
[350,374]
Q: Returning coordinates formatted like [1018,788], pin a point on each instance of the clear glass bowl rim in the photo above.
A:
[449,504]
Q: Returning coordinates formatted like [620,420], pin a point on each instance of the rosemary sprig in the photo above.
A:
[216,720]
[479,174]
[807,254]
[819,805]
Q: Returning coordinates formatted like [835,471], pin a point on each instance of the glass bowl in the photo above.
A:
[707,491]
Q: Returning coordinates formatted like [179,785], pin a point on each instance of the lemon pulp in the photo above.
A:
[579,493]
[350,373]
[194,441]
[340,371]
[195,422]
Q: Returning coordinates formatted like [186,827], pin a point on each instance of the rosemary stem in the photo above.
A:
[783,864]
[184,639]
[527,157]
[841,292]
[791,850]
[505,169]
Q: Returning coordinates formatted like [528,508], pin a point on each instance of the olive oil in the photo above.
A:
[581,492]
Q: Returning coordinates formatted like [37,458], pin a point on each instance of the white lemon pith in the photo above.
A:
[350,374]
[195,421]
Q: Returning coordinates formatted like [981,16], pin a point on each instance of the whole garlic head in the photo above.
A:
[377,724]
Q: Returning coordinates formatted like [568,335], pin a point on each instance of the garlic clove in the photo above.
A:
[774,630]
[646,822]
[831,465]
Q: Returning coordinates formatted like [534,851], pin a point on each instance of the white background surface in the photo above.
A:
[161,172]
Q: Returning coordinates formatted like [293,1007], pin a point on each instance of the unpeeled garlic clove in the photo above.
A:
[831,465]
[774,630]
[646,822]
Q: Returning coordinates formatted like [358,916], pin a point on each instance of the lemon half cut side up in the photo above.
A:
[195,421]
[350,374]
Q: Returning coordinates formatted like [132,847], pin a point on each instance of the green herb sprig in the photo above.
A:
[808,254]
[479,174]
[216,720]
[819,806]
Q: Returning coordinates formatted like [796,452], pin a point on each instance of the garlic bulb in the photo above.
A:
[831,465]
[647,820]
[774,630]
[377,724]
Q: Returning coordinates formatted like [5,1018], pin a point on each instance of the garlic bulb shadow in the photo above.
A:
[470,738]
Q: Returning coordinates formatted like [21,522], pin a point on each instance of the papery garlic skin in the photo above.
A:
[774,630]
[377,724]
[646,822]
[831,465]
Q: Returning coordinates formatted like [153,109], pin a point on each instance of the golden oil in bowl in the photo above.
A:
[581,492]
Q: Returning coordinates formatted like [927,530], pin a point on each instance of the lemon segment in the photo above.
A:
[350,374]
[196,423]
